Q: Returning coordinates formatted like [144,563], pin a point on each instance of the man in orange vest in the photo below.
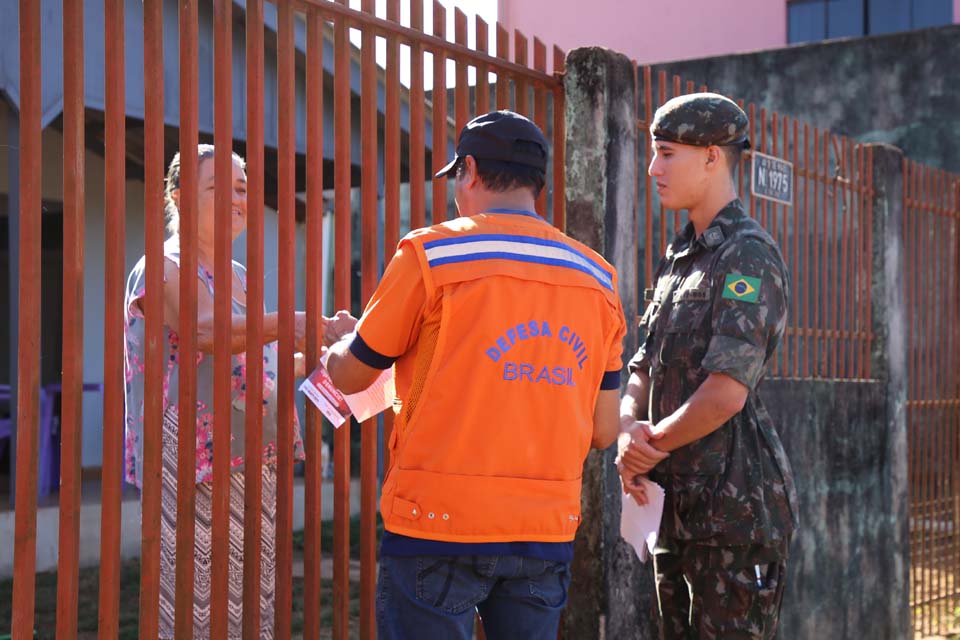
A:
[506,338]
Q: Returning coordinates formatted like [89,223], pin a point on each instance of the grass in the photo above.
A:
[45,615]
[326,536]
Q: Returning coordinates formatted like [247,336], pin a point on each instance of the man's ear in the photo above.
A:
[470,174]
[714,156]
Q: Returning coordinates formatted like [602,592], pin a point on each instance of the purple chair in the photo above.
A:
[6,424]
[49,464]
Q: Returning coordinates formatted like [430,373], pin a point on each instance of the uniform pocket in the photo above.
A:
[450,583]
[550,585]
[685,341]
[696,505]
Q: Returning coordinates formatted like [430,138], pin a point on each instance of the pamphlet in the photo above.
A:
[337,407]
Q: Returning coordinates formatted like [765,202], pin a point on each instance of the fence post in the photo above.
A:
[611,594]
[888,360]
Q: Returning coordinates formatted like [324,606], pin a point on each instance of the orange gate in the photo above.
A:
[502,80]
[932,256]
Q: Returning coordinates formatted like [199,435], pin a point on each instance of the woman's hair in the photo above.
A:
[170,210]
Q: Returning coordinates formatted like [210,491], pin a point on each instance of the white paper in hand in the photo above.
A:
[336,407]
[640,525]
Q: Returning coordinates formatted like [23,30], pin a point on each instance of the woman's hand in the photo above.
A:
[334,328]
[299,365]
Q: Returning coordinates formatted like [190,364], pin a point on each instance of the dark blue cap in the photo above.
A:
[503,137]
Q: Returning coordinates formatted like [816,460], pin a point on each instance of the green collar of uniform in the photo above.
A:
[720,228]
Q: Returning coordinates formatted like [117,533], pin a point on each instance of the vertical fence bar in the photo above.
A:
[909,249]
[795,257]
[540,109]
[286,241]
[71,404]
[368,432]
[342,299]
[462,90]
[153,155]
[953,393]
[827,241]
[223,288]
[860,262]
[313,440]
[950,367]
[744,157]
[187,401]
[559,144]
[676,212]
[644,136]
[391,197]
[253,431]
[520,87]
[503,79]
[417,122]
[439,95]
[925,394]
[869,231]
[807,266]
[917,433]
[752,110]
[867,254]
[773,209]
[954,389]
[637,213]
[113,381]
[763,216]
[939,293]
[662,88]
[843,242]
[922,432]
[786,351]
[858,322]
[482,37]
[28,338]
[856,299]
[924,264]
[817,213]
[835,248]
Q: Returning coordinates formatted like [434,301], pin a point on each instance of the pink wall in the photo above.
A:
[652,30]
[956,11]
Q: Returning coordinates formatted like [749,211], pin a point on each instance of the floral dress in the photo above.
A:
[134,370]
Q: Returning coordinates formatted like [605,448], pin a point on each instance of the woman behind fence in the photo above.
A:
[134,361]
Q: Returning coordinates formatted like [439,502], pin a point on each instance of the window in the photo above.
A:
[814,20]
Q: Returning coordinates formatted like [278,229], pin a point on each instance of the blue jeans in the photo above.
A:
[436,597]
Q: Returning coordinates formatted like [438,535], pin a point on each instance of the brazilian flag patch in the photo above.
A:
[742,288]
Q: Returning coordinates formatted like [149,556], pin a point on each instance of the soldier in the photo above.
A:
[697,425]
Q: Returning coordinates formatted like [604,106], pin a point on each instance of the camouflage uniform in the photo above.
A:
[719,306]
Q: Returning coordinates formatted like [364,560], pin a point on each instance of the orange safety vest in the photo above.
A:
[489,443]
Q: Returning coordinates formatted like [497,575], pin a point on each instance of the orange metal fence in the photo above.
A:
[932,283]
[825,236]
[500,80]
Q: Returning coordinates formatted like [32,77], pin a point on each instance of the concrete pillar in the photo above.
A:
[889,365]
[611,595]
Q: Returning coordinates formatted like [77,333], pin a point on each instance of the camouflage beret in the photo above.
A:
[701,119]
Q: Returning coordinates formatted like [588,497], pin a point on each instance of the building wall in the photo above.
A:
[649,31]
